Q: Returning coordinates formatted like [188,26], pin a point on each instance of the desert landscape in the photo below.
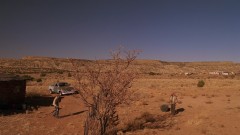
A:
[211,109]
[119,67]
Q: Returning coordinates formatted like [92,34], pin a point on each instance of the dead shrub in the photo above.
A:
[147,120]
[69,74]
[209,102]
[39,80]
[194,96]
[28,77]
[43,74]
[228,95]
[148,117]
[103,87]
[145,103]
[153,73]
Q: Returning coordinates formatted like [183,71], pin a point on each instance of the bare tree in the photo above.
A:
[103,86]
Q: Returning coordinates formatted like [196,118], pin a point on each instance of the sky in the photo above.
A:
[168,30]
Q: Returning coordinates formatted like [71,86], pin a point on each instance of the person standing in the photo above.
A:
[56,101]
[173,101]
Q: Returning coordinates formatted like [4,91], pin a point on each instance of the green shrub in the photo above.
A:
[201,83]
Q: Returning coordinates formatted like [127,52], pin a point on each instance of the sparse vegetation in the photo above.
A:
[28,77]
[151,91]
[228,95]
[69,74]
[209,102]
[103,89]
[147,120]
[153,73]
[201,83]
[39,80]
[43,74]
[194,96]
[60,72]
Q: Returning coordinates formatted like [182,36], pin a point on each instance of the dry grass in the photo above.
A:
[218,98]
[208,102]
[147,120]
[228,95]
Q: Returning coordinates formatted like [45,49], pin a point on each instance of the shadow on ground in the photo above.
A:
[71,114]
[31,103]
[180,110]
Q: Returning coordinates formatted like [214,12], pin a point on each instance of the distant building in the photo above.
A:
[215,73]
[12,91]
[226,73]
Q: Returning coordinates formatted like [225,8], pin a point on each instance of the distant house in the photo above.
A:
[12,91]
[226,73]
[215,73]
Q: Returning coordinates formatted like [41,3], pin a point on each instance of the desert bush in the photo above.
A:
[147,120]
[69,74]
[153,73]
[138,123]
[201,83]
[148,117]
[43,74]
[60,72]
[194,96]
[39,80]
[208,102]
[134,125]
[232,76]
[103,88]
[28,77]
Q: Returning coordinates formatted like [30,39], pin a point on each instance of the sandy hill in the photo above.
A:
[32,64]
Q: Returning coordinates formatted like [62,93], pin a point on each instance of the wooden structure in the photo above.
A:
[12,91]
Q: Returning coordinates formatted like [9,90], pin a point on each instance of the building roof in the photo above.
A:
[9,77]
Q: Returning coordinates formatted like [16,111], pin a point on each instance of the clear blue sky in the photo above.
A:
[170,30]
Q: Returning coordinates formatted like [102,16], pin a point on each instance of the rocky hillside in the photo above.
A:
[30,64]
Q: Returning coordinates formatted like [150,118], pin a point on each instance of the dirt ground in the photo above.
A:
[211,110]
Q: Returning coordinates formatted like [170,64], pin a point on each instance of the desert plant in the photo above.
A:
[42,74]
[28,77]
[147,120]
[69,74]
[39,80]
[60,72]
[201,83]
[153,73]
[103,88]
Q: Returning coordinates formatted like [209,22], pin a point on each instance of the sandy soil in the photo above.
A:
[211,110]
